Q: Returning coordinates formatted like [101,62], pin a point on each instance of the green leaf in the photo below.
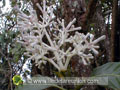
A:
[13,3]
[16,58]
[92,24]
[110,70]
[1,38]
[37,86]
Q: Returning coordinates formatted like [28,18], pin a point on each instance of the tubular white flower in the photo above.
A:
[33,31]
[99,39]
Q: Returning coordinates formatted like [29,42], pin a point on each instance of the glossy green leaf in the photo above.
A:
[31,85]
[110,70]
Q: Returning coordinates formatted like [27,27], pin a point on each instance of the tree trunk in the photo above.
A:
[117,32]
[115,27]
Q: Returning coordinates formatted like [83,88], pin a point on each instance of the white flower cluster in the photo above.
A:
[50,40]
